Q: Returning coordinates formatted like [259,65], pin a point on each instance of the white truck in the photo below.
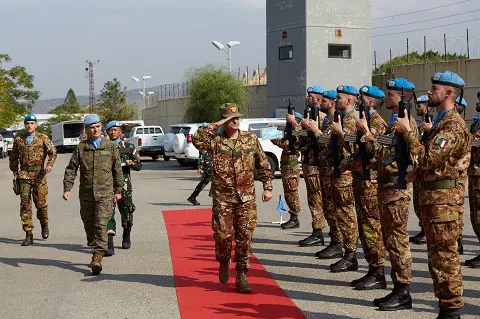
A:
[148,140]
[65,135]
[8,137]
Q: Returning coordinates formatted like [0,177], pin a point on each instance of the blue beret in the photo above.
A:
[30,117]
[113,123]
[399,83]
[315,90]
[372,91]
[464,102]
[478,94]
[347,90]
[298,116]
[91,119]
[448,78]
[331,94]
[422,99]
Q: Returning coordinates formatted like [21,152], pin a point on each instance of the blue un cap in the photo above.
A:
[111,124]
[346,89]
[372,91]
[30,117]
[399,83]
[478,94]
[315,90]
[298,116]
[464,102]
[448,78]
[421,99]
[331,94]
[91,119]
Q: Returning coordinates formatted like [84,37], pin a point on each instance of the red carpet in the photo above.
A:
[200,294]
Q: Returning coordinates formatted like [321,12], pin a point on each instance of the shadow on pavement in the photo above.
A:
[267,311]
[44,243]
[16,262]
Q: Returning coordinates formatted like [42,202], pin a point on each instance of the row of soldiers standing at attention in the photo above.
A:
[104,165]
[436,155]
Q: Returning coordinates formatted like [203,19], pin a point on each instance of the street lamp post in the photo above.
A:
[221,47]
[144,78]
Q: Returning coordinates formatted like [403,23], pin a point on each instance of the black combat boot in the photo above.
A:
[193,200]
[460,245]
[241,283]
[292,223]
[399,299]
[126,243]
[45,231]
[375,279]
[111,248]
[334,250]
[419,238]
[474,262]
[446,313]
[347,263]
[224,272]
[315,239]
[28,238]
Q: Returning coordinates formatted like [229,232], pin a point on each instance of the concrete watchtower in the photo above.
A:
[316,42]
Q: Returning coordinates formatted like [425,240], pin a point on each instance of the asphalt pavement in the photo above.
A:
[51,279]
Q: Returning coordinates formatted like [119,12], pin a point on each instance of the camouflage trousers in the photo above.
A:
[474,199]
[443,226]
[329,206]
[345,213]
[95,214]
[38,190]
[126,209]
[314,195]
[234,220]
[290,180]
[417,188]
[394,205]
[369,226]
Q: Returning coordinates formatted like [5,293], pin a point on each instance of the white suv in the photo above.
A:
[185,153]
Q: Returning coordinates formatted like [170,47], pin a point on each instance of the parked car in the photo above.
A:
[148,140]
[168,141]
[3,147]
[187,154]
[8,135]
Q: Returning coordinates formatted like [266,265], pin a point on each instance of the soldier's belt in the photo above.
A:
[387,140]
[292,163]
[303,133]
[387,180]
[443,184]
[350,138]
[31,168]
[325,140]
[358,176]
[475,143]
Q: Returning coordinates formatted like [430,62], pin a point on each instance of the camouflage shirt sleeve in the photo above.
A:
[14,156]
[117,171]
[137,164]
[350,129]
[203,137]
[71,170]
[263,167]
[51,152]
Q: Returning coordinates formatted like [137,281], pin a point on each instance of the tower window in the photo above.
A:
[285,53]
[340,51]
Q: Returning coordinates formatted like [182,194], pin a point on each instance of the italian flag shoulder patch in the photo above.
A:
[442,142]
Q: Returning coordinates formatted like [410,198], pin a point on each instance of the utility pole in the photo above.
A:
[91,83]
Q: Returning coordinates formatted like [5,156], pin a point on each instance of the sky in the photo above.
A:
[164,38]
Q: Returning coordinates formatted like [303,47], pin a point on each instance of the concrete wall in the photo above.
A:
[172,111]
[420,75]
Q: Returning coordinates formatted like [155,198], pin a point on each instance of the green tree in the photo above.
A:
[16,92]
[70,110]
[417,58]
[113,103]
[211,87]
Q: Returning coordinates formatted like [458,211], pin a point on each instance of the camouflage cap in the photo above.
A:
[229,109]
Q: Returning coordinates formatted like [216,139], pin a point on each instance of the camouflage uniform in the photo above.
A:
[100,178]
[233,191]
[125,205]
[33,182]
[290,176]
[444,159]
[474,185]
[417,185]
[366,205]
[393,205]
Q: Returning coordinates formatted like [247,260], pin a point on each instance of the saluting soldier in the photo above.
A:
[442,166]
[101,184]
[130,161]
[30,151]
[474,183]
[236,154]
